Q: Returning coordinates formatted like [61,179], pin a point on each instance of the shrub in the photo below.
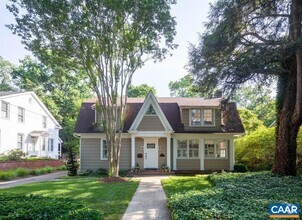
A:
[17,206]
[240,168]
[101,172]
[7,175]
[72,164]
[12,155]
[22,172]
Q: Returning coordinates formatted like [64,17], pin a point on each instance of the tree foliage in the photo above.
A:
[249,120]
[183,87]
[108,40]
[259,100]
[256,41]
[140,90]
[6,68]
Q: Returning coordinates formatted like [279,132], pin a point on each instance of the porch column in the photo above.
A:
[201,153]
[174,153]
[132,151]
[169,152]
[232,156]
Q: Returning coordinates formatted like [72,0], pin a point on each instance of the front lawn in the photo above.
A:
[233,196]
[111,199]
[182,184]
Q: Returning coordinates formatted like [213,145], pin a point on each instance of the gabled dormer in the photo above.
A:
[150,117]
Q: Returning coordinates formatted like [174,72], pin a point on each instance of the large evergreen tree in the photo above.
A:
[255,40]
[107,39]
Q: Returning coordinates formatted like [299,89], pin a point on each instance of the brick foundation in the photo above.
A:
[30,164]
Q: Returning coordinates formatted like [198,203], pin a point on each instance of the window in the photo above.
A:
[4,109]
[50,144]
[43,143]
[215,149]
[104,150]
[21,114]
[209,149]
[20,141]
[151,146]
[202,117]
[188,149]
[182,149]
[150,111]
[44,122]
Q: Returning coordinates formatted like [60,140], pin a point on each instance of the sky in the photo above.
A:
[190,16]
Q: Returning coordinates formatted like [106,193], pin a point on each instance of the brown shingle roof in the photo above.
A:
[170,108]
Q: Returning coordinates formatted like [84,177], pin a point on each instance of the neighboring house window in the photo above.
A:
[50,144]
[202,117]
[4,109]
[43,143]
[20,140]
[44,122]
[104,150]
[21,114]
[188,149]
[215,149]
[150,111]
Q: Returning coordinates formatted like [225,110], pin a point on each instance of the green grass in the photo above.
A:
[111,199]
[180,184]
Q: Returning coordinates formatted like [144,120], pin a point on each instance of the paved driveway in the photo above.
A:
[46,177]
[149,201]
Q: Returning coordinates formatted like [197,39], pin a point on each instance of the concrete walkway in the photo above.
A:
[46,177]
[149,200]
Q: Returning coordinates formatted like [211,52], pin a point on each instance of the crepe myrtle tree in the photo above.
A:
[107,39]
[260,41]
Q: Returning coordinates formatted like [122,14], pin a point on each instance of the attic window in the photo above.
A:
[150,111]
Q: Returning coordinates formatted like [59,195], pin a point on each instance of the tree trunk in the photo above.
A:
[287,128]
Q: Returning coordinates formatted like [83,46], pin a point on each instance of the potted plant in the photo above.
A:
[137,168]
[164,168]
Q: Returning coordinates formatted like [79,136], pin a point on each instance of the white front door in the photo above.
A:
[150,153]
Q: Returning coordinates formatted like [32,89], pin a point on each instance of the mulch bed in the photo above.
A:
[113,180]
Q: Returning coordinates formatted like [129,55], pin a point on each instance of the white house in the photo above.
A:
[26,123]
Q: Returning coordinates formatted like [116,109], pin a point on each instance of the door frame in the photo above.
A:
[155,141]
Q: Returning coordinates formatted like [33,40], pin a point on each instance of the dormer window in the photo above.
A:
[150,111]
[202,117]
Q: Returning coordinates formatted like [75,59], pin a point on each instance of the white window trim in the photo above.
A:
[188,149]
[49,144]
[102,152]
[8,110]
[215,143]
[201,117]
[23,110]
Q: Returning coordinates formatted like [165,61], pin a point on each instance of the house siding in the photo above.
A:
[218,164]
[188,164]
[185,119]
[91,151]
[150,123]
[162,144]
[139,143]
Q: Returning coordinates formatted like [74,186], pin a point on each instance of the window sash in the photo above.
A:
[104,150]
[4,109]
[202,117]
[19,141]
[188,149]
[216,149]
[50,144]
[20,114]
[44,122]
[44,143]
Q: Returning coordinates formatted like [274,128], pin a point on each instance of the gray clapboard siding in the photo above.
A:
[150,123]
[188,164]
[162,143]
[91,154]
[217,164]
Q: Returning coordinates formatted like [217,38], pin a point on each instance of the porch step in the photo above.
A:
[150,173]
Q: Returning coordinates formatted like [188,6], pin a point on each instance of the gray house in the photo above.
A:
[182,133]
